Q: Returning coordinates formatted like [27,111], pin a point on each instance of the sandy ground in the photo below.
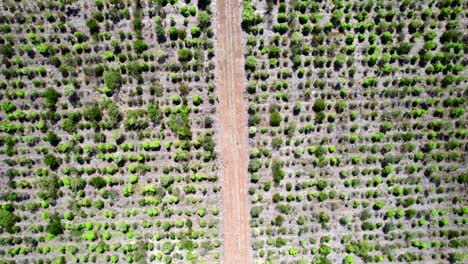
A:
[233,132]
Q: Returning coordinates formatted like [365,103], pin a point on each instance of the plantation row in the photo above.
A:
[357,131]
[108,133]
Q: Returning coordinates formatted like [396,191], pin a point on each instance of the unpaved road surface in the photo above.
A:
[233,132]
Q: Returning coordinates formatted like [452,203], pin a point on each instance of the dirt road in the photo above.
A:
[233,132]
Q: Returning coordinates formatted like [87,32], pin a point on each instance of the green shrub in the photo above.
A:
[386,37]
[378,205]
[51,161]
[166,180]
[90,236]
[275,119]
[68,216]
[348,260]
[133,179]
[197,100]
[185,55]
[93,26]
[195,31]
[97,182]
[250,63]
[139,46]
[324,217]
[248,13]
[8,106]
[278,173]
[167,247]
[92,113]
[113,80]
[50,97]
[8,220]
[53,138]
[7,50]
[319,105]
[55,227]
[204,19]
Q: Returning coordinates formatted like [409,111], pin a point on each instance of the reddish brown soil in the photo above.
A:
[233,132]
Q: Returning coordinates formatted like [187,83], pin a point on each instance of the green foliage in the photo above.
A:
[154,112]
[68,125]
[348,260]
[275,119]
[140,46]
[51,161]
[321,260]
[51,97]
[457,257]
[293,251]
[195,31]
[133,179]
[378,205]
[248,13]
[7,50]
[250,63]
[166,180]
[324,217]
[90,236]
[319,105]
[277,171]
[204,19]
[53,138]
[68,215]
[92,113]
[8,220]
[8,106]
[197,100]
[137,23]
[276,142]
[185,55]
[179,122]
[113,80]
[93,26]
[337,16]
[325,249]
[97,182]
[167,247]
[55,226]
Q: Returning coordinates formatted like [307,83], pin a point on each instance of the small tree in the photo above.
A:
[50,97]
[113,80]
[139,46]
[92,113]
[97,182]
[53,138]
[93,26]
[55,226]
[319,105]
[51,161]
[248,14]
[250,63]
[185,55]
[7,50]
[278,173]
[202,4]
[275,119]
[204,19]
[8,106]
[348,260]
[8,220]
